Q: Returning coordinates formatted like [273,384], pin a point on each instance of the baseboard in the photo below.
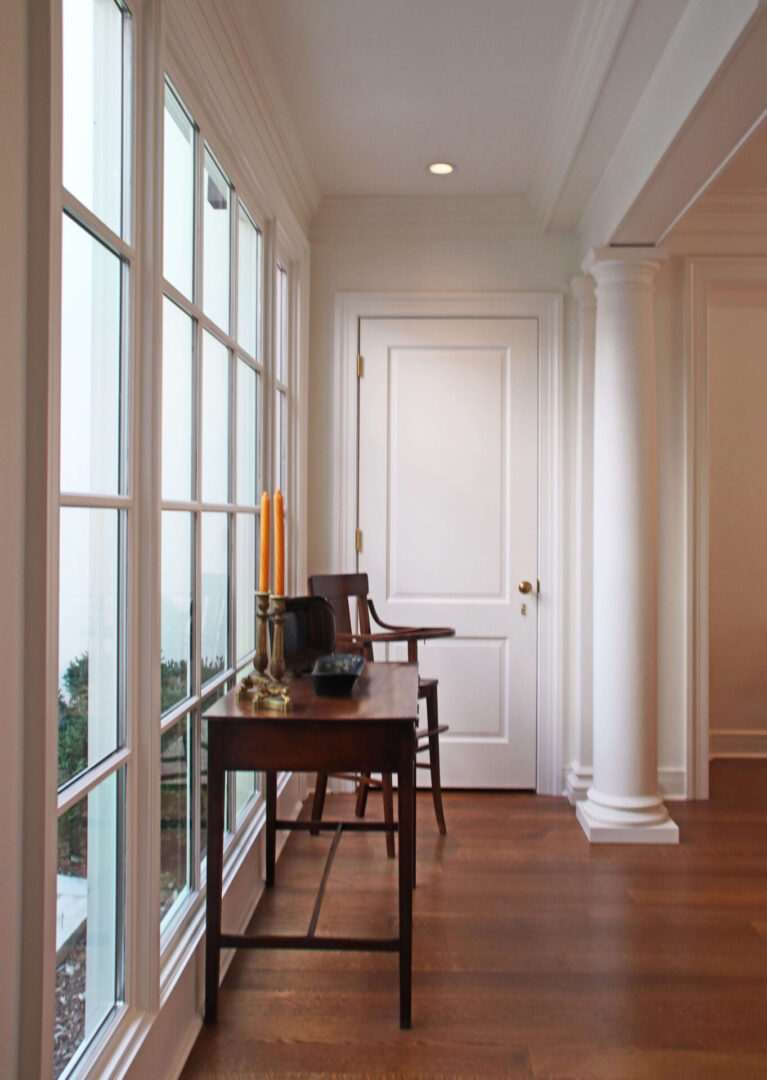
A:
[578,779]
[672,783]
[737,743]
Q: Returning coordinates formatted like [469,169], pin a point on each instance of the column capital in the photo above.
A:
[583,290]
[624,264]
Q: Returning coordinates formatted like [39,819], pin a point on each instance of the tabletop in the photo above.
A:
[383,692]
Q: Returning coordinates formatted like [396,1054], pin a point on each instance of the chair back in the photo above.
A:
[341,591]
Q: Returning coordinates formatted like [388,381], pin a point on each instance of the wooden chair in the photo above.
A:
[341,590]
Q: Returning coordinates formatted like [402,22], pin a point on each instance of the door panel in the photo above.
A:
[448,508]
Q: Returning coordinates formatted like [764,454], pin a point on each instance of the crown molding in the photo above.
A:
[591,54]
[428,214]
[234,79]
[703,89]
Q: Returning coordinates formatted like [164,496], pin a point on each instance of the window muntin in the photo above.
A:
[96,95]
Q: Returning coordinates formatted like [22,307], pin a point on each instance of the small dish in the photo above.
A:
[335,675]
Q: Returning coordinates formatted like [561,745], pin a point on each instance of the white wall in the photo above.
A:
[13,184]
[737,396]
[672,597]
[419,245]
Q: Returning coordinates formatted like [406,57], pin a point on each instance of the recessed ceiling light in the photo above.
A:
[441,168]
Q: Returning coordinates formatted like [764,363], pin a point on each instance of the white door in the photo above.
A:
[448,510]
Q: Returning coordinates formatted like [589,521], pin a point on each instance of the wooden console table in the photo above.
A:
[373,730]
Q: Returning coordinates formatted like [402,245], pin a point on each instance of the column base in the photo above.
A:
[579,781]
[641,820]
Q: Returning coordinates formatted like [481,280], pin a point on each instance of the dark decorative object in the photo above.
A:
[309,632]
[334,676]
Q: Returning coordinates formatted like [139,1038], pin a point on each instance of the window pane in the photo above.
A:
[247,784]
[89,929]
[245,789]
[215,243]
[178,197]
[281,442]
[248,434]
[176,615]
[248,283]
[90,363]
[89,638]
[177,398]
[246,583]
[215,420]
[215,593]
[92,110]
[207,703]
[281,335]
[175,818]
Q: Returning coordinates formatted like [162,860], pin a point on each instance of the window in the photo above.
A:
[96,508]
[211,474]
[155,612]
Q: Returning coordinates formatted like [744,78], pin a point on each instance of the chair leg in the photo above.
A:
[318,803]
[432,723]
[388,808]
[362,794]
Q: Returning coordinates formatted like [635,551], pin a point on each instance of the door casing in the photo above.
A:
[547,309]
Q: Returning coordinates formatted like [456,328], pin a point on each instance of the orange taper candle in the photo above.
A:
[279,545]
[263,578]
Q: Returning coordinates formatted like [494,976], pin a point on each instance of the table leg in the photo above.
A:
[271,831]
[406,816]
[215,867]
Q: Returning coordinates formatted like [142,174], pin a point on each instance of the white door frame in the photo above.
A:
[547,309]
[701,276]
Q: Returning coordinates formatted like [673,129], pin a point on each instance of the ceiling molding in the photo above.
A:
[236,86]
[263,77]
[443,214]
[590,56]
[629,205]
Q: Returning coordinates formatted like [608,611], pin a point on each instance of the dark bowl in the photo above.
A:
[335,676]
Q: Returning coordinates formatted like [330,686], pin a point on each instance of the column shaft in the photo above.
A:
[624,804]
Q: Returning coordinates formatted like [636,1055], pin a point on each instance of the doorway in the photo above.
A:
[454,577]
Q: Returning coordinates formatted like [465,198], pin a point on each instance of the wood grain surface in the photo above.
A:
[535,954]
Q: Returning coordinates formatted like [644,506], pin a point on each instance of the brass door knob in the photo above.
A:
[525,587]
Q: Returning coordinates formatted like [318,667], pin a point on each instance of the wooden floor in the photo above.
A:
[535,954]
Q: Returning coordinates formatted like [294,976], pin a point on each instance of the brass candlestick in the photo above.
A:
[262,609]
[277,666]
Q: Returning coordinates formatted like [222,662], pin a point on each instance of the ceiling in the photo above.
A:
[525,97]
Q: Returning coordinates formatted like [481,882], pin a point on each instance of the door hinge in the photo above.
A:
[360,366]
[358,540]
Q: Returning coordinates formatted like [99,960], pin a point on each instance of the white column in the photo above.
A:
[624,804]
[581,769]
